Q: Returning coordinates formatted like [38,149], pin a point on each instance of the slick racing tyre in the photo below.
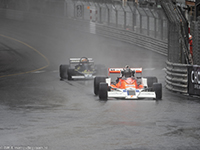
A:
[97,81]
[63,71]
[69,74]
[151,80]
[157,87]
[103,91]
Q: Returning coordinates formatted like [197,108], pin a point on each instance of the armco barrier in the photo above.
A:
[177,77]
[133,38]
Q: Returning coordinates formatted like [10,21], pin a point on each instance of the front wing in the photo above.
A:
[131,94]
[86,76]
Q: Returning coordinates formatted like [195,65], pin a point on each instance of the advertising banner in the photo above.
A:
[194,80]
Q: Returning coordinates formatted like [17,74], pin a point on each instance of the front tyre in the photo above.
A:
[157,87]
[97,81]
[63,71]
[103,91]
[69,74]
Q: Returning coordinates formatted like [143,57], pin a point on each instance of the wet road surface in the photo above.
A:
[38,111]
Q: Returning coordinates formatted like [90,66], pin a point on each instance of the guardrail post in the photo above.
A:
[155,27]
[116,14]
[108,16]
[83,11]
[133,19]
[161,29]
[148,25]
[124,19]
[147,15]
[140,23]
[100,15]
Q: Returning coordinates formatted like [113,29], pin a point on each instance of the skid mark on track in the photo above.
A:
[38,69]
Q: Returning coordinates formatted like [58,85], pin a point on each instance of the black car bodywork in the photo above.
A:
[77,70]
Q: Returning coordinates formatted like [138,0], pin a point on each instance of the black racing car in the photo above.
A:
[81,68]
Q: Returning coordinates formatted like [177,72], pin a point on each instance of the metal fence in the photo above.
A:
[178,51]
[195,32]
[149,21]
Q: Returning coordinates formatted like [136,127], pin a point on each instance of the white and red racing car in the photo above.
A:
[133,86]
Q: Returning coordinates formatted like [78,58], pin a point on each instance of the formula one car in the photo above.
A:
[131,85]
[81,68]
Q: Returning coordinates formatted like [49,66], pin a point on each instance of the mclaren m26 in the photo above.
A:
[132,87]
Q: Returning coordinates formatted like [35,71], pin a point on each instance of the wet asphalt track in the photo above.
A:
[38,111]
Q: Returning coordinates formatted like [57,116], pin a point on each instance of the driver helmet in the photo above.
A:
[127,71]
[84,61]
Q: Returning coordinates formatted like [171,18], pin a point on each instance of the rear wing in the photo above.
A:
[77,60]
[118,70]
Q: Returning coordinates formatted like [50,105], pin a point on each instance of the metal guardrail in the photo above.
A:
[177,77]
[133,38]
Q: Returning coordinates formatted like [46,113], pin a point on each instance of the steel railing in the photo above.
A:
[177,77]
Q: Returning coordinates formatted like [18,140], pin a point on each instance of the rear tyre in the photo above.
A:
[151,80]
[63,71]
[157,87]
[103,91]
[97,81]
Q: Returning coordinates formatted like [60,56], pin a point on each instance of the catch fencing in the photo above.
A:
[195,32]
[143,26]
[178,51]
[148,21]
